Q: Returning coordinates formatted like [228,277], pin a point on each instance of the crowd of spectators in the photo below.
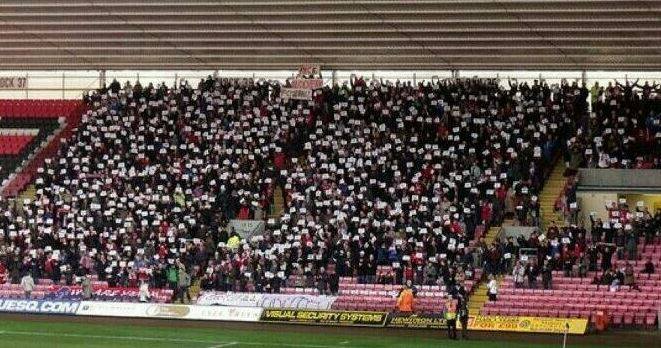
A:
[578,253]
[373,174]
[622,131]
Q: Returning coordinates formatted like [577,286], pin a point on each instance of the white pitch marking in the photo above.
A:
[161,339]
[225,345]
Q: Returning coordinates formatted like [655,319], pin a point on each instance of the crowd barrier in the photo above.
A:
[290,316]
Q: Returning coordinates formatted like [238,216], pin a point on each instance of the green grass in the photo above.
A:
[38,334]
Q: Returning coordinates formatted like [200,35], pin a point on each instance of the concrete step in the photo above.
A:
[278,203]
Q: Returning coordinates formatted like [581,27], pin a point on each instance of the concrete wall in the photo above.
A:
[593,201]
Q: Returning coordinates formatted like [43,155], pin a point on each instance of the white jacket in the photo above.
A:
[27,283]
[144,292]
[519,274]
[493,286]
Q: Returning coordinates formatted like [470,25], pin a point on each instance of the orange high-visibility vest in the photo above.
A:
[405,301]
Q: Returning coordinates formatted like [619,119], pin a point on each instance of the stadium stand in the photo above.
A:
[381,183]
[243,191]
[611,269]
[13,141]
[51,119]
[623,130]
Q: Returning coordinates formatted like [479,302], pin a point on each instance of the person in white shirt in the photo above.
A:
[27,283]
[493,288]
[518,274]
[144,292]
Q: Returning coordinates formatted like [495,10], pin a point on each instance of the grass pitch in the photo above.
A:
[43,334]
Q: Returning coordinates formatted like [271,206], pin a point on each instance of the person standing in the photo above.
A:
[547,275]
[87,288]
[144,292]
[519,275]
[334,283]
[405,300]
[531,273]
[493,288]
[184,284]
[451,317]
[27,283]
[463,319]
[172,275]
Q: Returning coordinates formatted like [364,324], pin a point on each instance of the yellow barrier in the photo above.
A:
[528,324]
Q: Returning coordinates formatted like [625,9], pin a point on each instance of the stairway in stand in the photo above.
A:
[195,290]
[30,193]
[478,299]
[553,188]
[492,234]
[479,296]
[278,203]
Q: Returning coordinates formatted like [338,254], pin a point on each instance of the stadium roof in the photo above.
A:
[336,34]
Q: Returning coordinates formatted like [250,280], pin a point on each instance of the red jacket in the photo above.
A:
[485,213]
[244,213]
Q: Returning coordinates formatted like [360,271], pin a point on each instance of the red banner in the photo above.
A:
[309,69]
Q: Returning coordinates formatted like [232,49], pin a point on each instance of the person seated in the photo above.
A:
[649,266]
[608,277]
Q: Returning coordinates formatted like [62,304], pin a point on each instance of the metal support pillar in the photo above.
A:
[102,78]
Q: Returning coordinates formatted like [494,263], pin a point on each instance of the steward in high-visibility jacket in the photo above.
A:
[405,300]
[451,317]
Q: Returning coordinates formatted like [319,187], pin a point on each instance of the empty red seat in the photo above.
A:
[650,320]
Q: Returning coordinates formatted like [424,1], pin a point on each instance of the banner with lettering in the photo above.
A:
[307,83]
[104,293]
[216,298]
[330,318]
[309,69]
[296,93]
[248,228]
[13,82]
